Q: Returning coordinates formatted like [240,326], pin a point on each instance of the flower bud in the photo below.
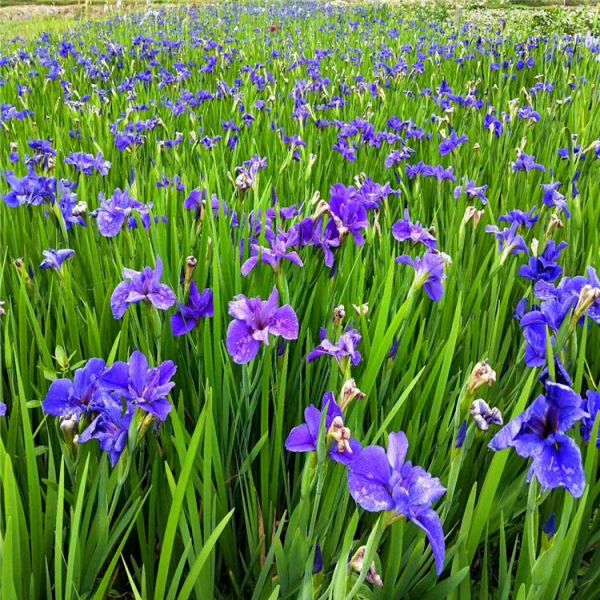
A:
[349,392]
[472,214]
[190,267]
[482,374]
[357,562]
[80,209]
[555,223]
[68,426]
[534,246]
[341,434]
[361,309]
[589,295]
[339,314]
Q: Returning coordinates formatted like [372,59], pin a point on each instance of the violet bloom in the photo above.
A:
[554,199]
[88,164]
[254,320]
[591,406]
[144,286]
[345,347]
[544,267]
[508,240]
[115,212]
[66,398]
[305,437]
[395,157]
[452,143]
[273,256]
[380,481]
[143,387]
[111,429]
[472,191]
[54,259]
[521,218]
[350,217]
[429,272]
[540,434]
[526,162]
[406,231]
[199,306]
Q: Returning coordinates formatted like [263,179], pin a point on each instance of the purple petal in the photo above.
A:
[240,344]
[284,323]
[397,449]
[429,521]
[368,478]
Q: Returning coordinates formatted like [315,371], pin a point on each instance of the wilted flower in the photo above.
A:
[256,319]
[144,286]
[361,310]
[482,374]
[339,314]
[472,214]
[357,562]
[350,391]
[484,416]
[2,309]
[380,481]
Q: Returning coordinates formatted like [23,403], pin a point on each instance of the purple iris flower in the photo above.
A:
[345,347]
[88,163]
[452,143]
[554,199]
[383,481]
[319,234]
[199,306]
[305,437]
[544,267]
[254,320]
[31,190]
[273,256]
[395,157]
[111,429]
[350,217]
[540,434]
[522,218]
[472,191]
[526,162]
[115,212]
[144,286]
[143,387]
[508,240]
[124,141]
[54,259]
[529,114]
[429,272]
[406,231]
[66,398]
[591,405]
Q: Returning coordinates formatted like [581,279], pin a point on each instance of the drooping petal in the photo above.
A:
[162,297]
[430,522]
[118,300]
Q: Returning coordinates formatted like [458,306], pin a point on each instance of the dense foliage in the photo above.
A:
[299,301]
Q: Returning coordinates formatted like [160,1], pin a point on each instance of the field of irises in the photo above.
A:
[300,301]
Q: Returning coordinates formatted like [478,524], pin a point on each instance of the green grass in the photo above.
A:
[210,504]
